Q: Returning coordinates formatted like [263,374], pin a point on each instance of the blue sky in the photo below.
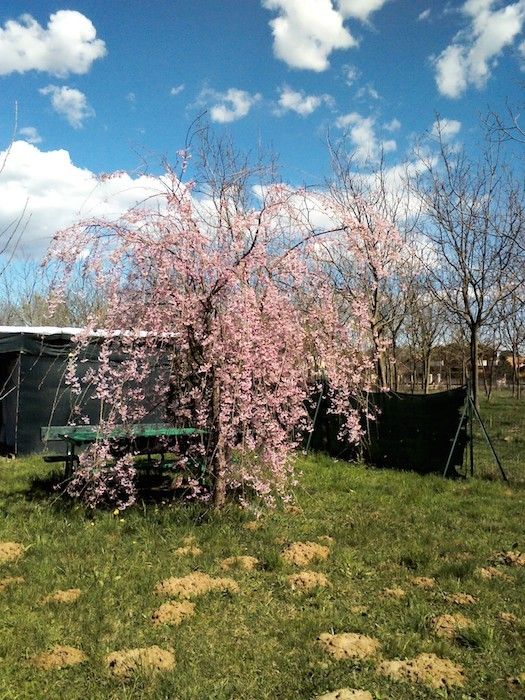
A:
[104,86]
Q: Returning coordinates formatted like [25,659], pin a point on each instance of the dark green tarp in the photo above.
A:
[409,431]
[33,390]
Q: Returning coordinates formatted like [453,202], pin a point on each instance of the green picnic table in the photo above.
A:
[140,438]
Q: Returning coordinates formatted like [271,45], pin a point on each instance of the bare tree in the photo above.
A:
[472,219]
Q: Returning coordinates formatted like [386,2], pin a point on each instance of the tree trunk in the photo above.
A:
[219,473]
[474,355]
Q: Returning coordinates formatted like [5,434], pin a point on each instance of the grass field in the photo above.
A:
[388,530]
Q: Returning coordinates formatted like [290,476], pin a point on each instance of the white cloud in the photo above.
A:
[230,105]
[361,132]
[176,90]
[424,15]
[293,101]
[131,97]
[69,103]
[30,134]
[393,125]
[55,193]
[307,31]
[351,73]
[68,45]
[360,9]
[472,55]
[367,91]
[445,129]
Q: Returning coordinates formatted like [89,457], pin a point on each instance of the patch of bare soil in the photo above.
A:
[58,657]
[253,525]
[461,599]
[294,510]
[68,596]
[448,625]
[195,584]
[508,618]
[423,582]
[10,551]
[349,645]
[244,562]
[395,593]
[307,581]
[303,553]
[491,572]
[123,664]
[427,669]
[189,550]
[346,694]
[516,683]
[173,613]
[10,581]
[359,609]
[511,558]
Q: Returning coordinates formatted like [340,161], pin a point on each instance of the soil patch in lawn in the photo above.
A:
[244,562]
[123,664]
[58,657]
[511,558]
[460,599]
[10,551]
[189,550]
[307,581]
[395,593]
[427,669]
[195,584]
[303,553]
[423,582]
[349,645]
[508,618]
[253,525]
[10,581]
[173,613]
[491,572]
[346,694]
[448,625]
[68,596]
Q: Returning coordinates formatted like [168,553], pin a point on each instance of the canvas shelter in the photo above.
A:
[33,389]
[33,392]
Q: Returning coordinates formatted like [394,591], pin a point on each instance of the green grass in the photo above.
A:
[261,643]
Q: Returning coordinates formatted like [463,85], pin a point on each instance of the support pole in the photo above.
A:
[456,437]
[489,441]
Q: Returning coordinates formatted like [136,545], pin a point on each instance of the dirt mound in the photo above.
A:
[491,572]
[307,581]
[448,625]
[189,550]
[10,551]
[395,593]
[123,664]
[346,694]
[10,581]
[195,584]
[359,609]
[303,553]
[253,525]
[511,558]
[508,618]
[243,562]
[427,669]
[461,599]
[58,657]
[294,510]
[423,582]
[173,613]
[68,596]
[348,645]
